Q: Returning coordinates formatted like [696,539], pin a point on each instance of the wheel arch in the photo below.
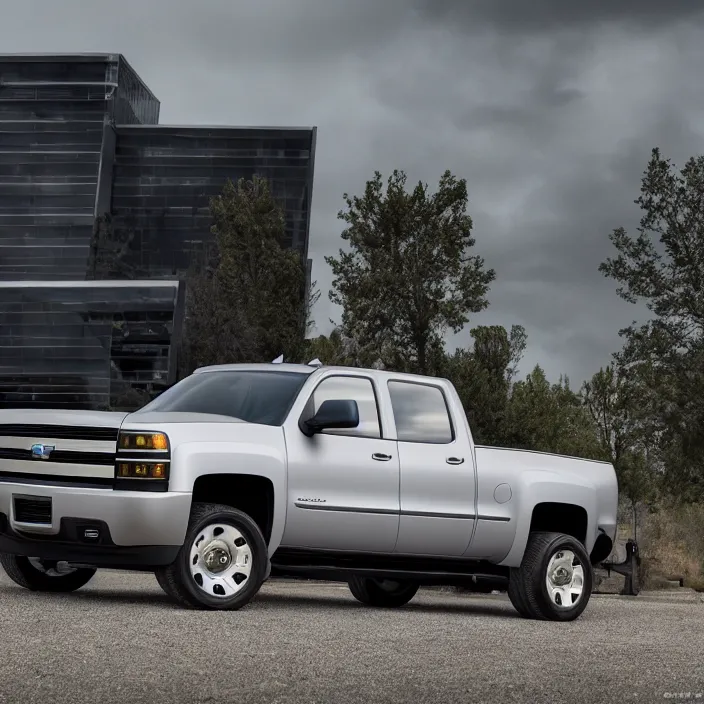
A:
[240,470]
[553,505]
[560,517]
[251,493]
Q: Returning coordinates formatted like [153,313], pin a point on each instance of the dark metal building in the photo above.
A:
[80,142]
[53,112]
[163,179]
[86,344]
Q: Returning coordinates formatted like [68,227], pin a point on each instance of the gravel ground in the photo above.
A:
[120,640]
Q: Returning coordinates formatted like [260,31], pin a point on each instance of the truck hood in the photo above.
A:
[176,417]
[103,419]
[40,416]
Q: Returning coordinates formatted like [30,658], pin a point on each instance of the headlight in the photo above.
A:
[142,470]
[142,461]
[143,441]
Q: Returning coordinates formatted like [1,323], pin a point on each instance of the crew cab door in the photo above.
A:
[343,491]
[437,488]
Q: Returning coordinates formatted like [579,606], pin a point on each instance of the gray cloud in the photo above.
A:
[548,15]
[549,109]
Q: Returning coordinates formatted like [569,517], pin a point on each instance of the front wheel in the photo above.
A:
[222,563]
[381,592]
[45,575]
[554,581]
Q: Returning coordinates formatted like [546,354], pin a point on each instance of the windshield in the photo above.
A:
[254,396]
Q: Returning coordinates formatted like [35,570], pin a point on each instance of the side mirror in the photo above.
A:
[332,414]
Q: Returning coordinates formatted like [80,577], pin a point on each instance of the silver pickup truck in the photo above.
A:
[242,472]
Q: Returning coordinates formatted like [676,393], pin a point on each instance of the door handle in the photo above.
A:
[455,460]
[381,457]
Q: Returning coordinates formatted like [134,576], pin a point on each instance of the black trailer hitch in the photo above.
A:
[629,568]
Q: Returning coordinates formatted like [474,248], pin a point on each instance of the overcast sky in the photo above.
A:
[549,108]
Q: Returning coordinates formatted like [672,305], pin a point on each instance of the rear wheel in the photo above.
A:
[382,592]
[222,563]
[45,575]
[554,581]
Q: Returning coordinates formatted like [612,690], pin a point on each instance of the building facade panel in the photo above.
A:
[52,115]
[133,103]
[85,344]
[164,178]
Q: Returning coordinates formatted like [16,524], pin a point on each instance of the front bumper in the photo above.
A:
[102,527]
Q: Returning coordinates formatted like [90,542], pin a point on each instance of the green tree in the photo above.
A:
[663,266]
[615,402]
[550,418]
[249,303]
[483,378]
[409,274]
[677,400]
[338,349]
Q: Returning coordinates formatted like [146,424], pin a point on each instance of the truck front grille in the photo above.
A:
[57,452]
[60,432]
[63,456]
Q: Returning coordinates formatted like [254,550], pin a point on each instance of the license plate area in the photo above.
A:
[35,510]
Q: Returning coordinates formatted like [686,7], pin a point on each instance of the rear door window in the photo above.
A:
[421,413]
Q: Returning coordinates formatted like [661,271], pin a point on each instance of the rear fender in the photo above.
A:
[542,487]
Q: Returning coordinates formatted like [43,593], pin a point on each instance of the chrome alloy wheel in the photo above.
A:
[51,568]
[565,579]
[220,560]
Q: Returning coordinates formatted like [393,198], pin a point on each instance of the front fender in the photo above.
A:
[192,460]
[545,487]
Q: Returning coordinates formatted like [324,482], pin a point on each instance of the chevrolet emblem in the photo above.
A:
[42,452]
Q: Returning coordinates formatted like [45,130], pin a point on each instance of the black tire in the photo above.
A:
[162,581]
[527,588]
[380,592]
[178,582]
[515,594]
[21,571]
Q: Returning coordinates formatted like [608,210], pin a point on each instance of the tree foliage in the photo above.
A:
[550,418]
[250,302]
[663,267]
[483,375]
[527,414]
[615,402]
[409,274]
[338,349]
